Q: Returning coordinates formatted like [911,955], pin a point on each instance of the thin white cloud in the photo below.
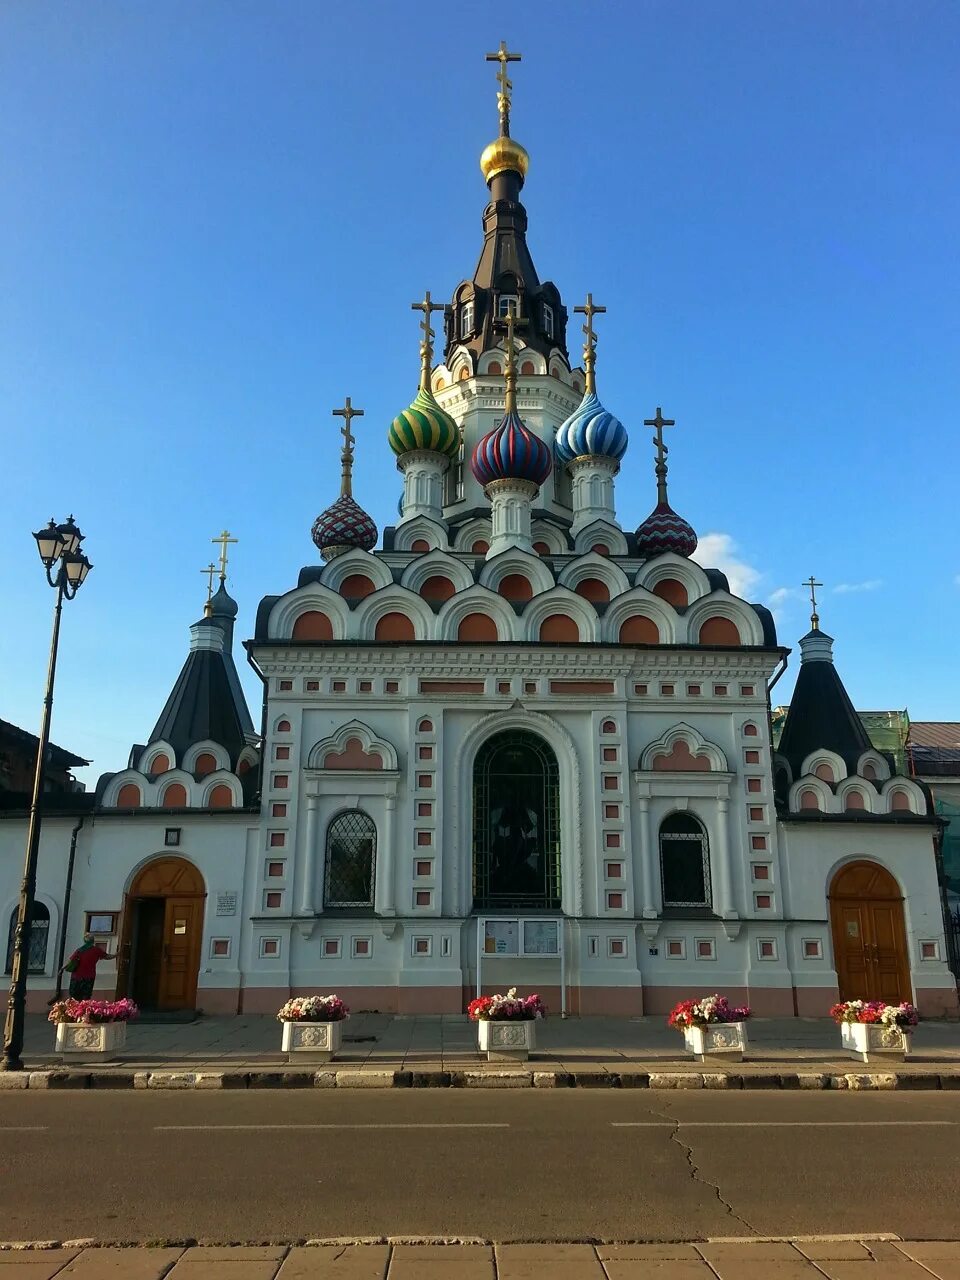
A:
[782,594]
[720,551]
[848,588]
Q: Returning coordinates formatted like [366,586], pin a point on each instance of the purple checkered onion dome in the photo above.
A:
[511,452]
[344,524]
[663,530]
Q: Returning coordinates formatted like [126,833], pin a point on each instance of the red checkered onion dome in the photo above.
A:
[511,452]
[663,530]
[345,524]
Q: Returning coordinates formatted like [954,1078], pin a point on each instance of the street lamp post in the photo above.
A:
[67,568]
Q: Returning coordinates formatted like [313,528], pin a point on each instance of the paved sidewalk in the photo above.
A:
[739,1260]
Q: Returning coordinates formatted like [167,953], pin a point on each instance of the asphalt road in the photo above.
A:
[525,1165]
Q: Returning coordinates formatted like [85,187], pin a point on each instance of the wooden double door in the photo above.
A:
[162,934]
[869,936]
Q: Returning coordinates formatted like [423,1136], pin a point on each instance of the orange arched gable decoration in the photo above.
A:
[168,876]
[593,589]
[313,625]
[418,544]
[809,800]
[205,763]
[221,797]
[639,630]
[900,800]
[128,796]
[394,626]
[854,800]
[356,586]
[672,591]
[559,629]
[515,587]
[161,764]
[439,587]
[719,631]
[477,628]
[681,759]
[175,796]
[353,756]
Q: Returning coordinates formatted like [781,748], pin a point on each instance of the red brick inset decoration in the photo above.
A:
[420,545]
[480,548]
[438,588]
[809,800]
[639,630]
[854,800]
[353,756]
[515,586]
[451,686]
[869,772]
[493,369]
[278,811]
[900,800]
[283,726]
[672,591]
[221,797]
[719,631]
[681,760]
[477,628]
[129,796]
[175,796]
[206,763]
[527,370]
[313,625]
[750,731]
[587,688]
[558,628]
[161,764]
[394,626]
[825,772]
[356,586]
[593,589]
[542,549]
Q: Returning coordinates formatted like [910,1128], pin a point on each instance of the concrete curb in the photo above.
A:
[354,1078]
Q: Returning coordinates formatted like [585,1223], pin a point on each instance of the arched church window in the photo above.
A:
[466,320]
[351,860]
[516,824]
[508,304]
[37,944]
[684,862]
[548,320]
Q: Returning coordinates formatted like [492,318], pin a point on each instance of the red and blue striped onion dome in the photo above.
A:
[591,431]
[663,530]
[511,452]
[344,524]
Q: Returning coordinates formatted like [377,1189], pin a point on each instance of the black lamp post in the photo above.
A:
[67,567]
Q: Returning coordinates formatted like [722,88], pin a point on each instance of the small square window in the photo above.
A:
[614,901]
[611,811]
[693,691]
[812,949]
[640,690]
[761,870]
[754,784]
[666,690]
[423,898]
[530,687]
[614,870]
[425,781]
[361,946]
[424,838]
[762,901]
[423,867]
[273,899]
[270,947]
[277,839]
[611,782]
[422,946]
[424,753]
[281,753]
[756,813]
[275,869]
[758,842]
[392,686]
[612,839]
[281,781]
[616,946]
[610,754]
[676,948]
[930,950]
[220,948]
[766,949]
[278,811]
[285,686]
[706,949]
[503,686]
[746,690]
[313,686]
[425,809]
[719,690]
[338,686]
[171,836]
[751,757]
[365,686]
[331,946]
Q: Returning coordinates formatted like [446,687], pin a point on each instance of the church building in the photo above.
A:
[522,738]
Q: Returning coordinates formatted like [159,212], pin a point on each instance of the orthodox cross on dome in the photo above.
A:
[348,413]
[426,342]
[812,584]
[659,422]
[510,366]
[224,540]
[503,56]
[590,346]
[210,572]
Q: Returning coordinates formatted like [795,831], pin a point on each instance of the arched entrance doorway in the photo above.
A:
[516,824]
[869,937]
[162,932]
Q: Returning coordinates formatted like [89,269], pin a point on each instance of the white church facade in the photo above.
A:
[516,734]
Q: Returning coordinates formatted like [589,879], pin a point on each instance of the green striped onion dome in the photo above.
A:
[424,426]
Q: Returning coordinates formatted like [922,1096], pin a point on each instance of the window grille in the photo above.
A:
[466,320]
[684,862]
[548,320]
[508,304]
[37,946]
[350,861]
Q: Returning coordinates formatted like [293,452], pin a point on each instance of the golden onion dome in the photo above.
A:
[504,154]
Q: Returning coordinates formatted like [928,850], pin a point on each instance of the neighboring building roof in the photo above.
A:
[935,733]
[821,715]
[58,755]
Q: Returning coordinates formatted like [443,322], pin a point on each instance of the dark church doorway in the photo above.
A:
[162,932]
[516,824]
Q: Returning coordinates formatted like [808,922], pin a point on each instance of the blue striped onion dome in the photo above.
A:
[591,432]
[663,530]
[511,452]
[424,425]
[345,524]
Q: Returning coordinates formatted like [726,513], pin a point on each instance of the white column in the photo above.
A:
[310,839]
[423,473]
[650,906]
[385,895]
[592,485]
[722,868]
[510,501]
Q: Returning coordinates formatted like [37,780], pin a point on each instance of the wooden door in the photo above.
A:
[869,937]
[182,929]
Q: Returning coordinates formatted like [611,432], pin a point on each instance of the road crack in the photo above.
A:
[695,1174]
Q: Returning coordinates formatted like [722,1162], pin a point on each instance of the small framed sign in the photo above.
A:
[102,922]
[171,836]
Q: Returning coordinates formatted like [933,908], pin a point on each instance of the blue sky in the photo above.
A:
[214,217]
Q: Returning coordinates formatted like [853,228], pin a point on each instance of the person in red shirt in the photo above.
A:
[82,967]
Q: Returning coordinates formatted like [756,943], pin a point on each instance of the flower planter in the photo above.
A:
[717,1040]
[507,1041]
[866,1040]
[91,1039]
[312,1041]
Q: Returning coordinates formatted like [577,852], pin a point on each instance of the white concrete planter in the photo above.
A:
[312,1041]
[717,1040]
[866,1040]
[507,1041]
[91,1039]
